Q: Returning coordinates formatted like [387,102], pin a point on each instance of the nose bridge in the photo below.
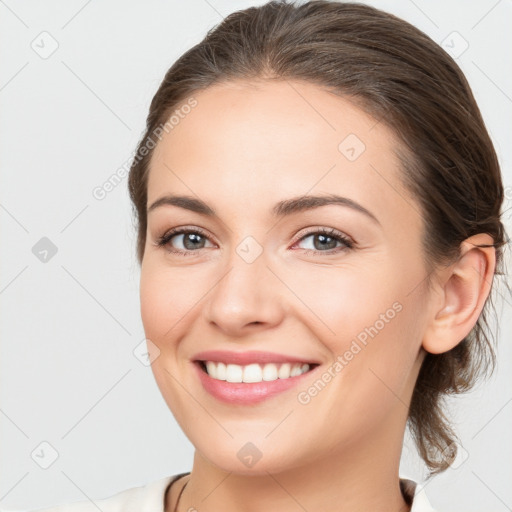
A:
[247,292]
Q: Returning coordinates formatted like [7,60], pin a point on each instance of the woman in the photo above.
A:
[318,206]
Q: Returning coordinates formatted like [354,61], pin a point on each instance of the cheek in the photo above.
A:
[370,319]
[345,300]
[167,296]
[153,302]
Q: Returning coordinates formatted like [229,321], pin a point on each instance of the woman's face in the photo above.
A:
[265,278]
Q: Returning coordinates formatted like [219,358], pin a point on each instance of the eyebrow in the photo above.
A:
[280,209]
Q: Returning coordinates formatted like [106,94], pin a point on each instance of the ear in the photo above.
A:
[463,289]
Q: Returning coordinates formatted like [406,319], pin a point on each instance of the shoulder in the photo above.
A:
[415,496]
[146,498]
[150,498]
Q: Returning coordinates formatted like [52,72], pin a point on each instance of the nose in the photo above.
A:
[248,296]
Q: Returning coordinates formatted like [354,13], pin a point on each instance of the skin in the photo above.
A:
[243,148]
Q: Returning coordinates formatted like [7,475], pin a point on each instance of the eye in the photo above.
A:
[325,240]
[191,239]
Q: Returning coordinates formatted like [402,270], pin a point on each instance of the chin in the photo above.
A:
[247,458]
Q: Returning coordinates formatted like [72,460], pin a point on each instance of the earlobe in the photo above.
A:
[464,288]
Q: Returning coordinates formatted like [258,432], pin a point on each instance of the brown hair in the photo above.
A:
[399,75]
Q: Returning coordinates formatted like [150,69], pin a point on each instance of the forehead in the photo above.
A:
[251,143]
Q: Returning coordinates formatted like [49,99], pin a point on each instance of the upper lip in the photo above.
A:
[248,357]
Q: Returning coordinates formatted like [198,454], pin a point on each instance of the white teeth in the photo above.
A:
[211,367]
[296,370]
[254,372]
[284,370]
[234,373]
[270,372]
[220,371]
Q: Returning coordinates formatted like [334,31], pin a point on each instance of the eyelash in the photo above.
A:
[164,240]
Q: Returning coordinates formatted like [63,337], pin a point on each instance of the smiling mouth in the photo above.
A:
[254,372]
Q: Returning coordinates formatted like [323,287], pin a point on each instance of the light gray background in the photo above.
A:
[70,325]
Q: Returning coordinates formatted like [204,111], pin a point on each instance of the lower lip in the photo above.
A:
[246,392]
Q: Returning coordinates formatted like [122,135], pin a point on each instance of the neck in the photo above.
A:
[360,477]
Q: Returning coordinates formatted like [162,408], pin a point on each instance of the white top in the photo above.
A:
[150,498]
